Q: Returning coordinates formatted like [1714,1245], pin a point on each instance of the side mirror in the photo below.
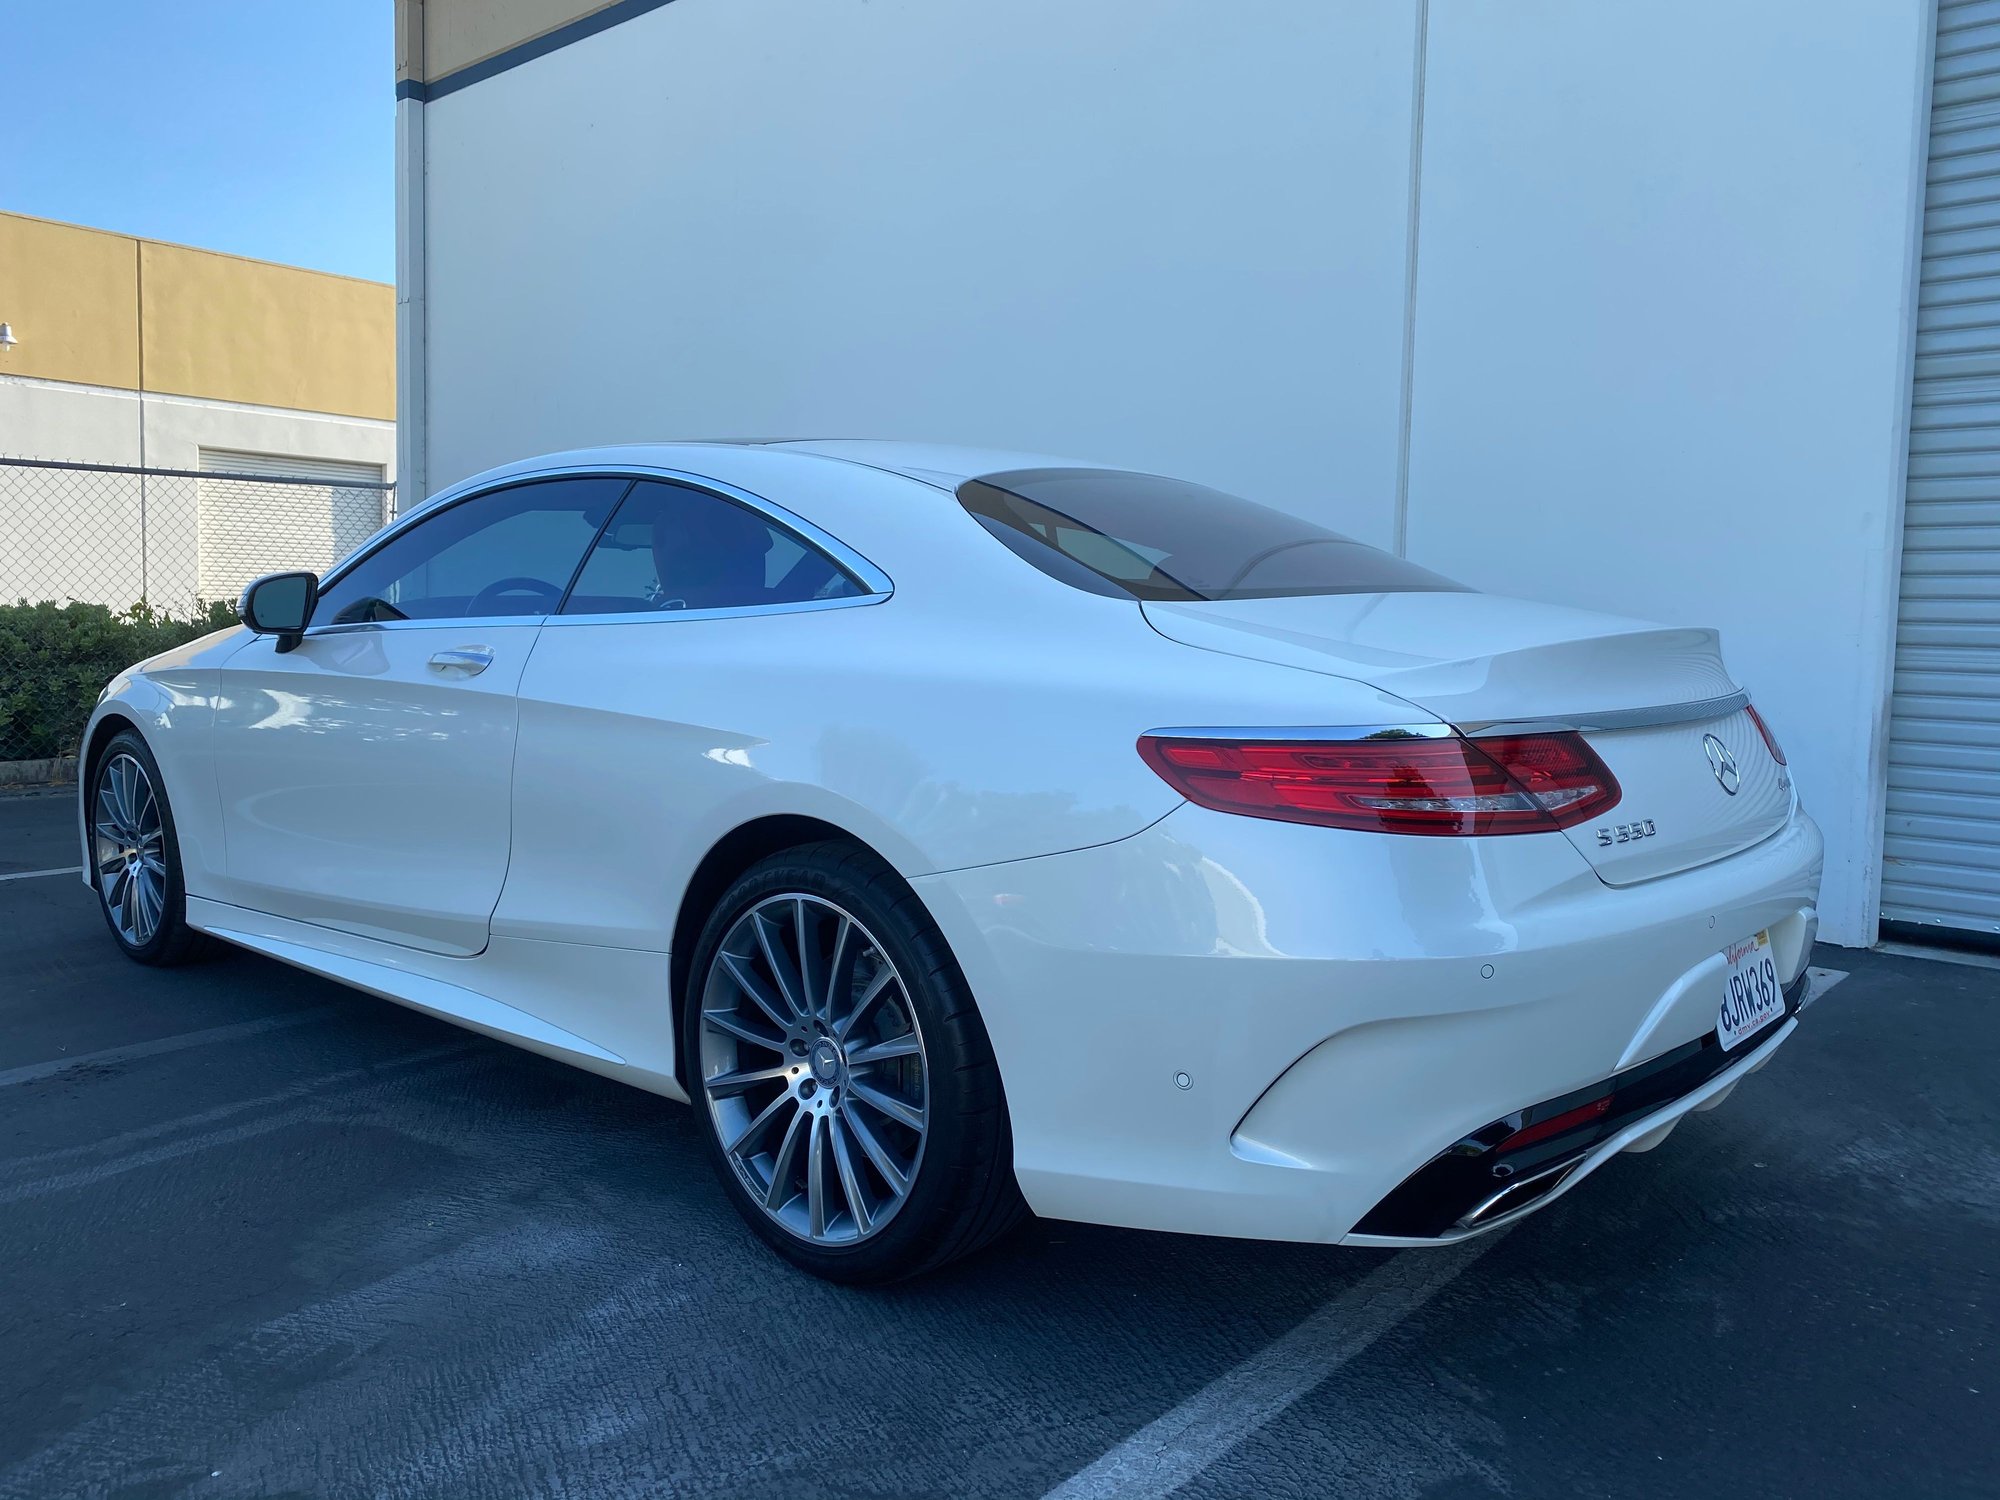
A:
[279,604]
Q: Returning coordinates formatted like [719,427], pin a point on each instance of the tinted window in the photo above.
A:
[507,552]
[1141,536]
[672,548]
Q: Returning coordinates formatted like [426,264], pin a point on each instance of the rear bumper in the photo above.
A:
[1231,1026]
[1482,1181]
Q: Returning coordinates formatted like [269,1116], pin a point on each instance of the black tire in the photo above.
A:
[170,941]
[962,1194]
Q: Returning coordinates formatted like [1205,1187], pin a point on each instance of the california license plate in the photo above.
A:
[1751,996]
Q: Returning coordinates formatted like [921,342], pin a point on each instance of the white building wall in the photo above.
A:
[1658,322]
[1042,224]
[1663,322]
[64,536]
[49,419]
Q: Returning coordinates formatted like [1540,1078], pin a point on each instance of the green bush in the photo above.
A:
[56,658]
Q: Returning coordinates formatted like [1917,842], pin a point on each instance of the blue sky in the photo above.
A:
[260,127]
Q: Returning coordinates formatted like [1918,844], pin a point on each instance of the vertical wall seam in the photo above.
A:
[1875,814]
[421,450]
[412,267]
[139,319]
[412,259]
[1411,228]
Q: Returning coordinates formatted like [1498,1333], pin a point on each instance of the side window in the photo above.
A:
[673,548]
[508,552]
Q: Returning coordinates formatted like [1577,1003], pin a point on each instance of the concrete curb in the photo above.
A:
[30,773]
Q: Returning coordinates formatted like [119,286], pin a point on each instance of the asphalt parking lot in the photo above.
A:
[263,1236]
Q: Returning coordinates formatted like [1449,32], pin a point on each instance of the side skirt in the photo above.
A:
[491,993]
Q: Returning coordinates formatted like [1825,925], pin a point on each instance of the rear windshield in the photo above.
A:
[1141,536]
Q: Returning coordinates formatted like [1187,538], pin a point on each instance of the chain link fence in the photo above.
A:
[102,564]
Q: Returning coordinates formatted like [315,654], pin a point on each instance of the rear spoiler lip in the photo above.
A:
[1613,718]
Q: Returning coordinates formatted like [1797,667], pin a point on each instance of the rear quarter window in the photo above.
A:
[1145,536]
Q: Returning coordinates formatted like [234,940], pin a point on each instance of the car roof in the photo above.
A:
[946,465]
[941,465]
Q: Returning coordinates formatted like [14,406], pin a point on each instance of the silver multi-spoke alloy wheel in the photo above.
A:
[813,1069]
[128,847]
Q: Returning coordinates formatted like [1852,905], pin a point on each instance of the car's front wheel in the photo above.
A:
[135,856]
[841,1073]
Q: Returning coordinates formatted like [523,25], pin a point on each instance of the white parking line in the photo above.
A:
[43,874]
[1818,982]
[154,1048]
[1169,1451]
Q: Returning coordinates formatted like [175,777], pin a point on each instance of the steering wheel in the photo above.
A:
[493,593]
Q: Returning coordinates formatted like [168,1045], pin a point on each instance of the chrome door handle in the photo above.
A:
[463,661]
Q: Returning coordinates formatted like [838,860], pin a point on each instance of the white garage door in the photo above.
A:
[1941,856]
[249,528]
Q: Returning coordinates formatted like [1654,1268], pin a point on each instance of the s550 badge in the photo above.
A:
[1625,833]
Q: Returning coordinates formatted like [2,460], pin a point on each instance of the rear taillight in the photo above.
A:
[1770,739]
[1526,783]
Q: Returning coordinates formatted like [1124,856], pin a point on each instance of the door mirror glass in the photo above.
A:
[279,603]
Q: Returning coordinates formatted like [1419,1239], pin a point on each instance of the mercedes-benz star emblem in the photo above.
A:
[1727,774]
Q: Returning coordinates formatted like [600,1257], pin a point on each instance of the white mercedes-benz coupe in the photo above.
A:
[967,832]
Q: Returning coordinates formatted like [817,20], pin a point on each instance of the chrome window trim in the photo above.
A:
[1618,718]
[1331,733]
[459,623]
[877,583]
[640,617]
[730,612]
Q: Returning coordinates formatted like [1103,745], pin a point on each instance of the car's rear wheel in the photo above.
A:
[135,856]
[842,1076]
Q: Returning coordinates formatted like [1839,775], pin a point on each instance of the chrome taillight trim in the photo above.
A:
[1332,734]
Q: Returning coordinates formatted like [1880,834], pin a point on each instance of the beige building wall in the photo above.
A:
[245,330]
[72,297]
[110,310]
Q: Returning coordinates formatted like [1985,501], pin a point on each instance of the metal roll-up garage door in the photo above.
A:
[1941,854]
[247,528]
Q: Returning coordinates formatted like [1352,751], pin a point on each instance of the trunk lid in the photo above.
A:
[1648,699]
